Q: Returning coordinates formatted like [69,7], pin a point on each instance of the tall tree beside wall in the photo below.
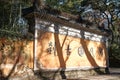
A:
[10,28]
[109,10]
[10,13]
[104,13]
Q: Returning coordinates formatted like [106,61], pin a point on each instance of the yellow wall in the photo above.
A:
[15,55]
[61,59]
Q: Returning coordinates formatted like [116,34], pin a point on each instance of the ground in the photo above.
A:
[114,75]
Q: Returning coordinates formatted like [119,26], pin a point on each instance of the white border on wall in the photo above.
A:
[64,30]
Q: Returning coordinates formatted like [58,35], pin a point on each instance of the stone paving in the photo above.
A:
[101,77]
[114,75]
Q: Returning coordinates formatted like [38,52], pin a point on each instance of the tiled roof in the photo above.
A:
[57,17]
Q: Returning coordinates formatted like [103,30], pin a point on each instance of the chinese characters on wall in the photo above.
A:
[80,50]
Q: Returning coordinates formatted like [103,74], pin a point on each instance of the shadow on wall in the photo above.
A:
[59,50]
[43,36]
[14,60]
[60,56]
[46,37]
[88,54]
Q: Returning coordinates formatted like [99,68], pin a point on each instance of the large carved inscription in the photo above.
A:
[51,49]
[81,51]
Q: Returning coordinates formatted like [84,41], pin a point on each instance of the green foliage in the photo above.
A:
[115,50]
[108,9]
[69,6]
[10,13]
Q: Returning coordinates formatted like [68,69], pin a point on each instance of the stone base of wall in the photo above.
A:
[71,74]
[58,74]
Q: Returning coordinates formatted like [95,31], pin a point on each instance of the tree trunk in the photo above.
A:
[39,4]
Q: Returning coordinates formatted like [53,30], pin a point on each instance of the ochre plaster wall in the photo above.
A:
[53,52]
[15,55]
